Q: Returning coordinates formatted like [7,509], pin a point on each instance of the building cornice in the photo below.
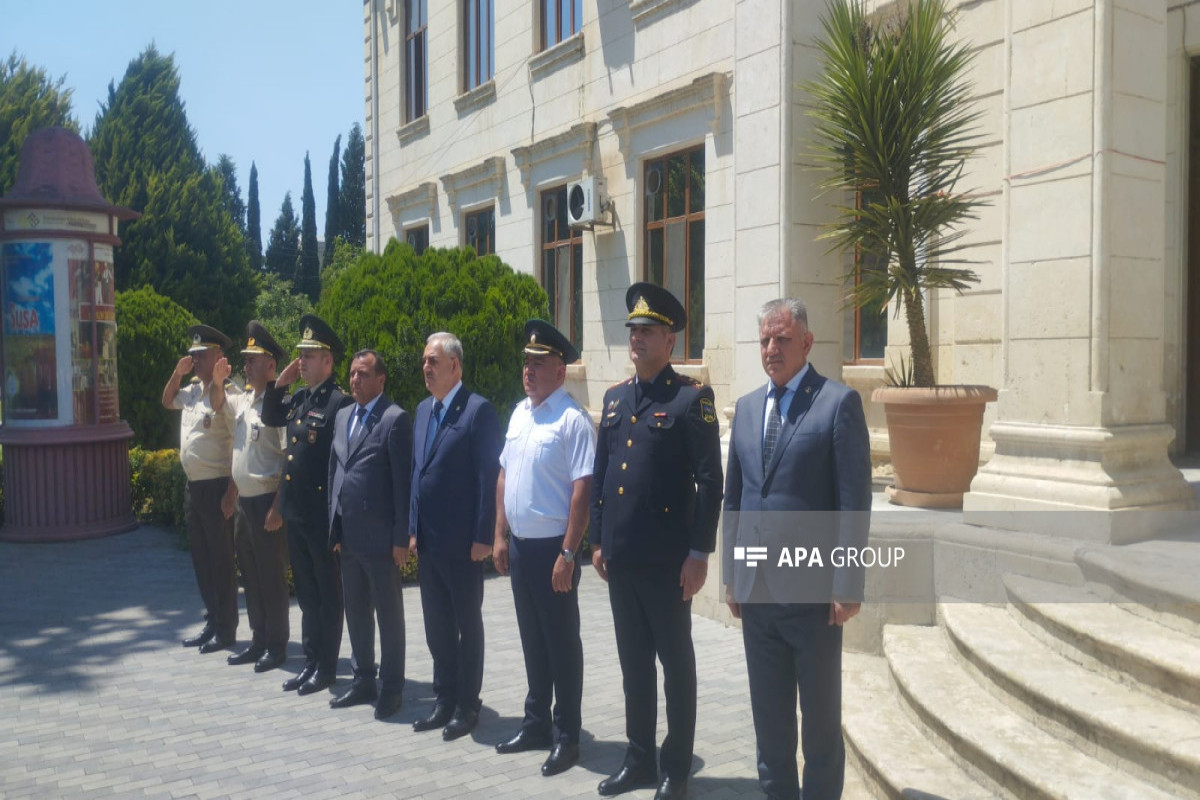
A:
[420,198]
[579,138]
[488,174]
[646,11]
[710,90]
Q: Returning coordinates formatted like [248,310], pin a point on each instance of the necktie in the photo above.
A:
[774,425]
[356,424]
[435,420]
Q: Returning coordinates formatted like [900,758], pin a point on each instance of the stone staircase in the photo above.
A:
[1066,691]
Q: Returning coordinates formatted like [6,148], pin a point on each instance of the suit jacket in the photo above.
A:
[816,492]
[656,486]
[454,489]
[369,480]
[308,415]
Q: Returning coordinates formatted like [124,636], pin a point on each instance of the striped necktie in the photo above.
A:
[774,425]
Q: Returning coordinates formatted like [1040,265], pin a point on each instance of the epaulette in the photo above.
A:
[625,382]
[194,380]
[230,386]
[688,380]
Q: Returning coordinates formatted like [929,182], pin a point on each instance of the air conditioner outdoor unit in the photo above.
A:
[587,204]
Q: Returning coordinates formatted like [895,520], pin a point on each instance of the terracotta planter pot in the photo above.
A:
[934,436]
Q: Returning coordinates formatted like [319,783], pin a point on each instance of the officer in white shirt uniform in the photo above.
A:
[542,496]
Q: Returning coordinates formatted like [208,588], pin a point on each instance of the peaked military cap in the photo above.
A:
[544,338]
[206,337]
[651,304]
[315,334]
[259,340]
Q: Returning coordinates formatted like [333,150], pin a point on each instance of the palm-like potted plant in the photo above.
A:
[894,129]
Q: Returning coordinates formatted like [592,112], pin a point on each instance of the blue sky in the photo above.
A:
[262,80]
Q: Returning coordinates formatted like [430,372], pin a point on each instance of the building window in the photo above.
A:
[479,53]
[562,266]
[479,228]
[415,58]
[674,238]
[561,19]
[864,335]
[418,238]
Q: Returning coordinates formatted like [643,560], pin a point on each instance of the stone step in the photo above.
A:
[1115,723]
[893,757]
[1108,637]
[1160,575]
[987,734]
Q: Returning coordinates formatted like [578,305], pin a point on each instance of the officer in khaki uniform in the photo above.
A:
[205,449]
[656,497]
[261,540]
[309,417]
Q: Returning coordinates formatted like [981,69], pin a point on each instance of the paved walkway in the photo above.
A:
[97,697]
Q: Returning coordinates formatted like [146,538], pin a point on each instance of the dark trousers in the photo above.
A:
[549,626]
[792,648]
[371,586]
[263,558]
[319,593]
[651,618]
[210,539]
[452,601]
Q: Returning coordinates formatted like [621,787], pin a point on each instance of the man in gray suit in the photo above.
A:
[799,476]
[369,471]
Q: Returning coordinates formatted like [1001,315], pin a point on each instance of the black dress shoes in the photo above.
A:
[388,704]
[247,656]
[358,694]
[270,660]
[629,778]
[296,681]
[562,758]
[216,643]
[437,718]
[316,683]
[524,740]
[671,789]
[462,723]
[200,638]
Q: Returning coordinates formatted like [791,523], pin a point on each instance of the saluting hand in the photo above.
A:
[183,367]
[222,370]
[289,374]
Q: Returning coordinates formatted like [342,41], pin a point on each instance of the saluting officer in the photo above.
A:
[309,417]
[205,450]
[656,496]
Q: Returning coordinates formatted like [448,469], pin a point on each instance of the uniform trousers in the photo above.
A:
[318,582]
[263,558]
[210,540]
[790,649]
[452,604]
[549,625]
[371,586]
[651,619]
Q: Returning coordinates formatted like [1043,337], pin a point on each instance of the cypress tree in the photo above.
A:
[332,218]
[231,192]
[283,245]
[254,224]
[308,269]
[352,199]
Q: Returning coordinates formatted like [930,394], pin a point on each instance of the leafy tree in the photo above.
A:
[151,337]
[352,199]
[332,217]
[254,224]
[283,246]
[344,255]
[280,308]
[308,268]
[29,100]
[393,301]
[231,193]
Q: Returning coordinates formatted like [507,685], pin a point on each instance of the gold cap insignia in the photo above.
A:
[642,308]
[533,338]
[196,338]
[250,342]
[308,333]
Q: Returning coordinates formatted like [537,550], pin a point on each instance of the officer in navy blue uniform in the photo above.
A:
[656,497]
[309,416]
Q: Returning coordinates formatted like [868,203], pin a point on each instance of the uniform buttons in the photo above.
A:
[629,443]
[320,488]
[633,419]
[290,456]
[625,465]
[293,440]
[666,510]
[287,477]
[620,490]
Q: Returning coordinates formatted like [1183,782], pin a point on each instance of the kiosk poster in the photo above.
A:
[30,368]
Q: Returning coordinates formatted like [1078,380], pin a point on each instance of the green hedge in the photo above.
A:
[157,484]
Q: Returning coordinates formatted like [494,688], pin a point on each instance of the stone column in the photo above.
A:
[1081,423]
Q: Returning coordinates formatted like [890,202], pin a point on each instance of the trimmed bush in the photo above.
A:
[157,483]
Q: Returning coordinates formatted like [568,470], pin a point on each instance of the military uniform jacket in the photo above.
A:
[309,416]
[657,485]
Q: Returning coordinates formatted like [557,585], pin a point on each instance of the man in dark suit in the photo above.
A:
[309,417]
[656,496]
[370,466]
[455,463]
[799,476]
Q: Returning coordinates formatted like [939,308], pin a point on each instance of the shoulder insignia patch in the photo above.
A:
[708,412]
[689,381]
